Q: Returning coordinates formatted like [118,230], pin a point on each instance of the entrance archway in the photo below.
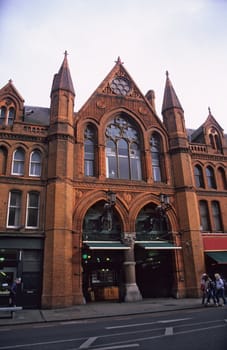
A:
[154,253]
[102,254]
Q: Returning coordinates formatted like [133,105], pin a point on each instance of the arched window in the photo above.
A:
[216,213]
[35,164]
[204,216]
[215,140]
[89,151]
[2,115]
[3,160]
[156,154]
[11,116]
[7,115]
[18,162]
[222,178]
[123,155]
[210,177]
[198,174]
[32,212]
[14,209]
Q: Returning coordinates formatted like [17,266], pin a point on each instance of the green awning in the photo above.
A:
[161,245]
[219,257]
[106,245]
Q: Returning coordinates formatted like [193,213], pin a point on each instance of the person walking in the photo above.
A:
[13,292]
[220,289]
[211,292]
[208,290]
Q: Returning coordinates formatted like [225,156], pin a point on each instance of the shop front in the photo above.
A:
[102,264]
[20,257]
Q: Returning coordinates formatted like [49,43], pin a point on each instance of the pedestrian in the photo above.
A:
[220,289]
[211,292]
[208,290]
[204,286]
[13,292]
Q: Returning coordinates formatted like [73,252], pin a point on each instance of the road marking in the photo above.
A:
[175,320]
[118,347]
[148,323]
[169,331]
[87,343]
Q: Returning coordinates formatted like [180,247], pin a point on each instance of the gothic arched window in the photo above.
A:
[210,177]
[222,184]
[11,116]
[156,157]
[35,164]
[7,115]
[204,216]
[198,174]
[89,151]
[216,213]
[215,140]
[123,158]
[3,160]
[18,162]
[2,115]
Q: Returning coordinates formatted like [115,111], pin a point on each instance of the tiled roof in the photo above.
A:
[37,115]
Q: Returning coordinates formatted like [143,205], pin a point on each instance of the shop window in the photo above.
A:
[216,213]
[32,213]
[18,162]
[156,156]
[210,177]
[204,216]
[198,174]
[14,209]
[123,154]
[89,151]
[35,164]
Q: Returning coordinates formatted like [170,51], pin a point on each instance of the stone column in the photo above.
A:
[132,292]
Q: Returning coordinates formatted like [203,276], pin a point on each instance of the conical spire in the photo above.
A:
[170,99]
[62,80]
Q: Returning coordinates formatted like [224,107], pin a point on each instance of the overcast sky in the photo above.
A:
[186,37]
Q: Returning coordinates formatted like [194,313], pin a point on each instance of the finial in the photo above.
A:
[66,53]
[10,81]
[167,74]
[119,61]
[209,110]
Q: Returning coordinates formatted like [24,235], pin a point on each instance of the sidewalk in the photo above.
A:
[99,309]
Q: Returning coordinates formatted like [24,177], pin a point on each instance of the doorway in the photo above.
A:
[154,272]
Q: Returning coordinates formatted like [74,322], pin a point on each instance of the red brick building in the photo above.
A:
[111,201]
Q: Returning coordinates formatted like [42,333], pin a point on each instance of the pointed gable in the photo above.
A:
[9,91]
[118,90]
[11,99]
[119,83]
[62,80]
[170,99]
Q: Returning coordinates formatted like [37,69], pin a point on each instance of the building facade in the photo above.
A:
[109,202]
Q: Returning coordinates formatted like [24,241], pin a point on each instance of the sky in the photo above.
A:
[187,38]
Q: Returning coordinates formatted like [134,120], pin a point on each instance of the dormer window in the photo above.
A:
[7,114]
[215,139]
[2,115]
